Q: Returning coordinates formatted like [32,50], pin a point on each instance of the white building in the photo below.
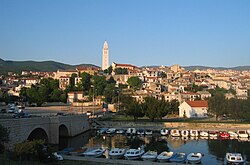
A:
[193,109]
[105,56]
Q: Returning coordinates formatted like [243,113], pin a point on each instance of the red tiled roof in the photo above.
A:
[198,103]
[126,65]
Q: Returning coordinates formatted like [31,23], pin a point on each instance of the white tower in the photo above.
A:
[105,56]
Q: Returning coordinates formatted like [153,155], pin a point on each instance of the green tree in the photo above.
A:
[174,106]
[217,105]
[134,82]
[151,107]
[109,70]
[135,109]
[86,82]
[110,93]
[99,83]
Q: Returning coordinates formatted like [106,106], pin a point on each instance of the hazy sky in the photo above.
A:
[139,32]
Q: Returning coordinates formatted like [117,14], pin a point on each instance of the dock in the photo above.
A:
[102,161]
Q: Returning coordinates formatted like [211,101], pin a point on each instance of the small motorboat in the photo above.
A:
[194,133]
[165,156]
[224,135]
[242,134]
[140,132]
[56,156]
[133,154]
[248,132]
[178,157]
[184,133]
[233,135]
[234,158]
[116,153]
[194,158]
[120,131]
[148,132]
[102,130]
[94,152]
[213,134]
[164,132]
[175,132]
[149,156]
[131,131]
[111,131]
[204,134]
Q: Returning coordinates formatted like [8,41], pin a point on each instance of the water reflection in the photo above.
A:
[213,149]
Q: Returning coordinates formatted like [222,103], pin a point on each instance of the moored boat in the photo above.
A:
[164,132]
[111,131]
[242,134]
[120,131]
[102,130]
[184,133]
[175,132]
[149,156]
[224,135]
[148,132]
[194,133]
[165,156]
[204,134]
[133,154]
[140,132]
[131,131]
[232,134]
[194,158]
[116,153]
[94,152]
[234,158]
[213,134]
[178,157]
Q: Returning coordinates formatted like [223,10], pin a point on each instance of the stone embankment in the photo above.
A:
[178,125]
[102,161]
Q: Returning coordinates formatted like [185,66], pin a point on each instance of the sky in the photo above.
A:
[139,32]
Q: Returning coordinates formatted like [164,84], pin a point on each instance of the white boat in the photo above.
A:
[184,133]
[175,132]
[164,132]
[140,132]
[116,153]
[131,131]
[204,134]
[194,133]
[111,131]
[213,134]
[149,156]
[94,152]
[194,158]
[165,156]
[232,134]
[120,131]
[102,130]
[242,134]
[248,132]
[56,156]
[148,132]
[133,154]
[235,158]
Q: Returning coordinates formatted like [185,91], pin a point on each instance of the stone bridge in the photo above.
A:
[47,128]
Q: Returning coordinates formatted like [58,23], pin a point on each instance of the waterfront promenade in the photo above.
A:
[104,161]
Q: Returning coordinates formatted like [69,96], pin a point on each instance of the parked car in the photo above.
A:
[13,109]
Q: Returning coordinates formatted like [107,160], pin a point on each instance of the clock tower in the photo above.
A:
[105,56]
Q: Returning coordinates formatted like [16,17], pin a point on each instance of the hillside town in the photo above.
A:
[171,83]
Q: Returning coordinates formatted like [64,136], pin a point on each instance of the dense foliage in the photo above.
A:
[46,91]
[234,108]
[134,82]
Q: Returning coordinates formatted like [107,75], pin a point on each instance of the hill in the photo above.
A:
[240,68]
[49,66]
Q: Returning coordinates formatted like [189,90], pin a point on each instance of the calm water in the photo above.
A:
[213,149]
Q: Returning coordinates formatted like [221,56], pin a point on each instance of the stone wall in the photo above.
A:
[179,125]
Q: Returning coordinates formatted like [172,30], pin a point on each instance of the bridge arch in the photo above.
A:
[38,134]
[63,131]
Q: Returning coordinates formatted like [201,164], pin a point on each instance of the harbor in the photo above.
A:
[213,149]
